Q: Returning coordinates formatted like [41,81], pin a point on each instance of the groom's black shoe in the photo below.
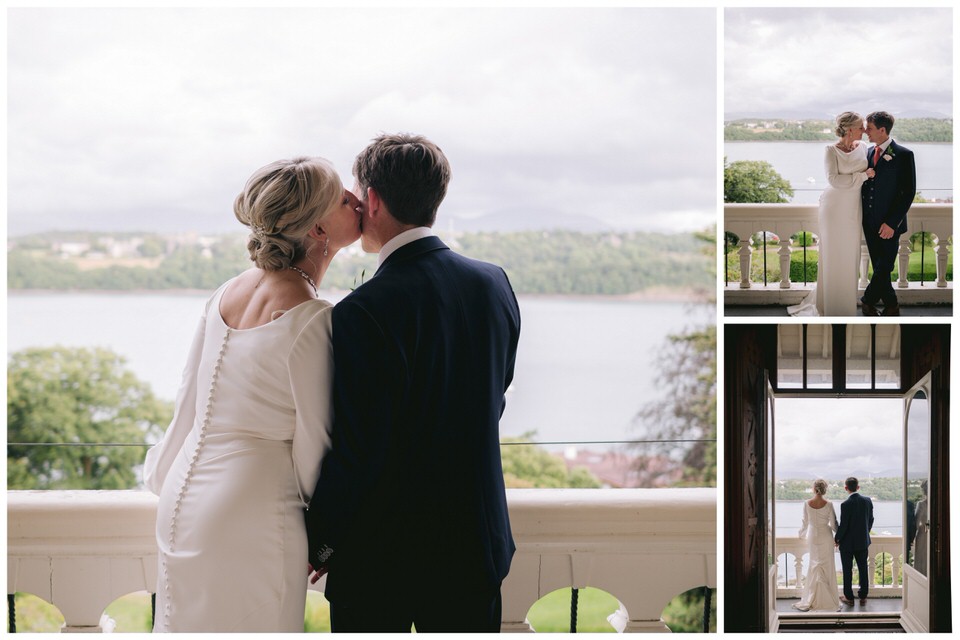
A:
[891,311]
[868,309]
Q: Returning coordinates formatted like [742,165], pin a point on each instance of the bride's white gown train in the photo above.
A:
[820,591]
[835,293]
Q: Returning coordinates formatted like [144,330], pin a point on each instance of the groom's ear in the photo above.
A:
[374,202]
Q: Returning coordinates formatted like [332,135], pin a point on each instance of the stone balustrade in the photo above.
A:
[785,220]
[81,550]
[793,549]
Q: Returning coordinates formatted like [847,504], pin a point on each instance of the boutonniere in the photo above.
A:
[888,154]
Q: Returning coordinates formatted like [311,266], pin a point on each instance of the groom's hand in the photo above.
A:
[886,231]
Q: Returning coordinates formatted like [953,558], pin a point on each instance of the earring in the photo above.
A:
[325,246]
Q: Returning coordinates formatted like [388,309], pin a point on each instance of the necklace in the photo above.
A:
[305,276]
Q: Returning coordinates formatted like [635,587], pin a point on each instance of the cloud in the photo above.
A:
[833,438]
[825,60]
[125,117]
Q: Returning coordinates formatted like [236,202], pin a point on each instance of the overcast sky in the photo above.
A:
[834,438]
[152,119]
[822,61]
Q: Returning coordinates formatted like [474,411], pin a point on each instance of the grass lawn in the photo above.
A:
[550,614]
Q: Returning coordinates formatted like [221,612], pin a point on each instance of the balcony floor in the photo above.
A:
[772,310]
[874,606]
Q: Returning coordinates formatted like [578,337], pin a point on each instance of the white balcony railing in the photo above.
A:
[81,550]
[785,220]
[792,550]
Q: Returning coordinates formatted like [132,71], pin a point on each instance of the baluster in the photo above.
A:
[798,566]
[904,254]
[941,250]
[745,251]
[784,262]
[574,599]
[872,568]
[895,570]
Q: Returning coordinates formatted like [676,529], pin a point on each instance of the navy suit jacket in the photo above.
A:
[411,491]
[856,520]
[888,196]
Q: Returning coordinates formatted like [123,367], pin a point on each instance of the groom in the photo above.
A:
[886,199]
[409,516]
[853,540]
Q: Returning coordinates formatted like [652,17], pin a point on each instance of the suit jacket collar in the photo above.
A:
[412,250]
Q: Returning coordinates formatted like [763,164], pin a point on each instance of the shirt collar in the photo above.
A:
[886,143]
[401,239]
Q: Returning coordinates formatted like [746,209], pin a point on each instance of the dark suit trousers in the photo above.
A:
[846,561]
[433,612]
[883,257]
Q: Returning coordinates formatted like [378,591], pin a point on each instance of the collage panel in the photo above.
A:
[837,477]
[837,163]
[362,318]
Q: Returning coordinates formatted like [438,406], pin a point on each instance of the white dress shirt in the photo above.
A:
[405,237]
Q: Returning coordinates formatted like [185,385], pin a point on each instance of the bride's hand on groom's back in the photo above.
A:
[319,573]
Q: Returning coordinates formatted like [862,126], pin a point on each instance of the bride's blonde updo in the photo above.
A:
[846,121]
[820,487]
[280,203]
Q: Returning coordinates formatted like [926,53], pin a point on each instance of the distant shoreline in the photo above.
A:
[648,295]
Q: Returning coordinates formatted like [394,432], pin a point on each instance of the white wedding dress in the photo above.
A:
[835,293]
[820,584]
[235,469]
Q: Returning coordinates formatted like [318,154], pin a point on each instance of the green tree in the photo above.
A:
[152,247]
[754,181]
[687,409]
[526,466]
[69,396]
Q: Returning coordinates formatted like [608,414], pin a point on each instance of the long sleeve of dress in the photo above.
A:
[310,364]
[160,456]
[839,180]
[832,519]
[804,523]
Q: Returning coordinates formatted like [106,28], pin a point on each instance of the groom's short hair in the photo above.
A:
[852,484]
[881,120]
[408,172]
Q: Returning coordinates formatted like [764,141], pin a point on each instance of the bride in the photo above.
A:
[835,293]
[238,462]
[818,528]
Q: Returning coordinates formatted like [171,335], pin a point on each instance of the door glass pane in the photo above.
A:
[789,356]
[888,356]
[859,353]
[918,475]
[819,356]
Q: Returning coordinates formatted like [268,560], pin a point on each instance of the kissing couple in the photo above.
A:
[824,535]
[870,189]
[358,441]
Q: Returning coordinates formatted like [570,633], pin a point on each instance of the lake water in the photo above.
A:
[887,516]
[584,366]
[799,161]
